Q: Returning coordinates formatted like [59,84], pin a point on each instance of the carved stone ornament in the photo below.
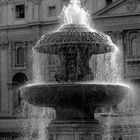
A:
[37,1]
[131,5]
[119,34]
[85,137]
[32,42]
[26,42]
[112,36]
[4,45]
[115,35]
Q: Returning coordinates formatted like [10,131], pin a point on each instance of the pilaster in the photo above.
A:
[4,78]
[10,90]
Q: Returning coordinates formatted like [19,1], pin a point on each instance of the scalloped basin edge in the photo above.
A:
[73,95]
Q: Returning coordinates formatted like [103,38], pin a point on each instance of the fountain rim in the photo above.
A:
[60,38]
[53,95]
[77,84]
[74,42]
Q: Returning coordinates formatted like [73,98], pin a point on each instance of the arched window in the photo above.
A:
[135,45]
[20,56]
[19,79]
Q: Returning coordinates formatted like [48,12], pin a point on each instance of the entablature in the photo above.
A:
[119,22]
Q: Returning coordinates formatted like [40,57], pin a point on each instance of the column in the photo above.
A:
[3,79]
[36,10]
[10,91]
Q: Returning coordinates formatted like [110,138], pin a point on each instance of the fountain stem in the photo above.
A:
[74,66]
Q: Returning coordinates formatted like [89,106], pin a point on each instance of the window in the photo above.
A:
[135,45]
[52,11]
[20,57]
[108,2]
[20,11]
[19,53]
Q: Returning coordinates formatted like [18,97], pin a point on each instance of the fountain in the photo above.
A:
[74,96]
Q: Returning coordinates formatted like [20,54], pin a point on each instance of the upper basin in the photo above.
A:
[75,95]
[74,35]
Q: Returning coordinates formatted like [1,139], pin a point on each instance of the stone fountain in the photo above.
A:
[74,97]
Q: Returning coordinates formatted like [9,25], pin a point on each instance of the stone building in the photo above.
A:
[22,22]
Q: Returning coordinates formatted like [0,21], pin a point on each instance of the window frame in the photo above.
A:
[14,11]
[132,37]
[52,15]
[18,56]
[129,36]
[15,47]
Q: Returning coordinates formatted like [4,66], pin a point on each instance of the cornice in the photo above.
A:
[29,24]
[128,21]
[6,2]
[107,8]
[4,44]
[28,43]
[116,16]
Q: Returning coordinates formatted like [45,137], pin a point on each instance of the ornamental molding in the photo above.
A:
[118,20]
[115,35]
[37,2]
[4,44]
[131,5]
[119,34]
[16,1]
[32,42]
[26,42]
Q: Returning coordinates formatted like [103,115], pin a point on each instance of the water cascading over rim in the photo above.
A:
[75,44]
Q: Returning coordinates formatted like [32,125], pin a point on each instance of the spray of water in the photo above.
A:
[37,119]
[40,70]
[108,128]
[106,69]
[75,14]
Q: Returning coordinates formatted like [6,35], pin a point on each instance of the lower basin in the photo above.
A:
[75,95]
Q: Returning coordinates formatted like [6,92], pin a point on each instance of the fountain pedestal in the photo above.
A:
[74,131]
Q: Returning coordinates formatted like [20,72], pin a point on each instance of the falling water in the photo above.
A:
[37,68]
[108,128]
[40,71]
[36,121]
[106,69]
[75,14]
[131,101]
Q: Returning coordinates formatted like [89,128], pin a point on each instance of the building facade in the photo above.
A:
[22,22]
